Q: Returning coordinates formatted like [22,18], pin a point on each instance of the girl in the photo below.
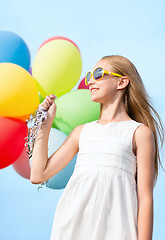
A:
[110,193]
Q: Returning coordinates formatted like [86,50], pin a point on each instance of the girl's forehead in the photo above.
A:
[104,64]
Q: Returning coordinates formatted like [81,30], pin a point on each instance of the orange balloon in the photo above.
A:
[23,118]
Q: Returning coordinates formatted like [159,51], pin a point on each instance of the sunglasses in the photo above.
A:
[98,74]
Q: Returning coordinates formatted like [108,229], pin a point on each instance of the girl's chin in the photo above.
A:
[95,100]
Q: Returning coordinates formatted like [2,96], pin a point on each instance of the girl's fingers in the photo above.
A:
[47,104]
[52,96]
[48,101]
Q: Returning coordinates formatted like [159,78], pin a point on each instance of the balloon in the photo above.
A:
[82,84]
[75,108]
[57,67]
[60,179]
[18,92]
[58,37]
[30,70]
[13,132]
[13,49]
[23,118]
[21,165]
[41,98]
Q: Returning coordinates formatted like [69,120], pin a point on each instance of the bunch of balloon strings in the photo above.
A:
[36,121]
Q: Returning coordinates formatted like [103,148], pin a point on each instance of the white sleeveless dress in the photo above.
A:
[99,201]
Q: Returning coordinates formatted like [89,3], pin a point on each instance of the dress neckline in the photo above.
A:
[112,122]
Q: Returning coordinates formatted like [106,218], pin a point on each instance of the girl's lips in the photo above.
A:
[94,90]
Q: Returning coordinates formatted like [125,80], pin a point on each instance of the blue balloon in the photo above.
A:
[60,179]
[13,49]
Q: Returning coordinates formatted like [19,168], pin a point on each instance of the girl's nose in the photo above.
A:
[91,80]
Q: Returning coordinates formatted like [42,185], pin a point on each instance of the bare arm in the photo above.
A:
[42,167]
[145,179]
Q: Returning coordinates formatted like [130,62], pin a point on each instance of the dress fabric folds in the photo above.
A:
[99,201]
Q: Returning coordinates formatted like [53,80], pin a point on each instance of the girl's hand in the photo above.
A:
[51,107]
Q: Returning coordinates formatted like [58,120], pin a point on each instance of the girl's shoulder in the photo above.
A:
[78,130]
[143,131]
[143,134]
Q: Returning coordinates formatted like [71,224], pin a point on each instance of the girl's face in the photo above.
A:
[106,87]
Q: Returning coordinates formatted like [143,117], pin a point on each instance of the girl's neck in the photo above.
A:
[114,112]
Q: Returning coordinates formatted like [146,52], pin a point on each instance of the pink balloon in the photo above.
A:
[82,84]
[22,165]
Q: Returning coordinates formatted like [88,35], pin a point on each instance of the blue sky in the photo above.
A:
[134,29]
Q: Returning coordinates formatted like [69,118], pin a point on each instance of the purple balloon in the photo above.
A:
[30,70]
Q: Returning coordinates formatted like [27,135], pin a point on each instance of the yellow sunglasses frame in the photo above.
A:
[104,71]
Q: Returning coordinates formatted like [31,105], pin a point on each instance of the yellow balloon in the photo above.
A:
[57,67]
[18,91]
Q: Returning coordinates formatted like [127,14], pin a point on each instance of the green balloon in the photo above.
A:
[53,125]
[41,98]
[75,108]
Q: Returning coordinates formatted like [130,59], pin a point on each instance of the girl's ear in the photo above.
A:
[123,82]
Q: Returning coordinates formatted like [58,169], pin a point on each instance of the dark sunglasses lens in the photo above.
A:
[88,76]
[98,73]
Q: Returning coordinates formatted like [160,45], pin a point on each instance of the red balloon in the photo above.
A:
[59,37]
[82,84]
[13,131]
[22,165]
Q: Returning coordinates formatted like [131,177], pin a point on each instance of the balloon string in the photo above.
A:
[36,121]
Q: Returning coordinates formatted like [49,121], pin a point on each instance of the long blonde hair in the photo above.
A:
[137,102]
